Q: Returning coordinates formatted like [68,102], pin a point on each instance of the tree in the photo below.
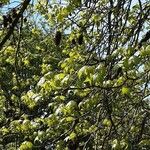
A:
[76,77]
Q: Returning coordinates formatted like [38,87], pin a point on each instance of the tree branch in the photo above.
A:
[145,39]
[14,23]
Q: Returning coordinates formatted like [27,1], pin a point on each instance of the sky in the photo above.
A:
[14,3]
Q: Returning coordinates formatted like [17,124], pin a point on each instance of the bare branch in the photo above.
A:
[14,23]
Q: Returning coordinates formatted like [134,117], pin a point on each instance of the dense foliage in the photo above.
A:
[75,75]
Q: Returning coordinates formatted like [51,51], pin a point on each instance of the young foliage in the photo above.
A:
[75,75]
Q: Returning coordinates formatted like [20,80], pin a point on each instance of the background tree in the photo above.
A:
[84,88]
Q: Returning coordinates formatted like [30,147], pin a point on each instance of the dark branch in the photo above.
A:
[145,39]
[14,23]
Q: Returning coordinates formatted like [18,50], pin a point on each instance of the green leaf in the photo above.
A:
[88,80]
[65,80]
[26,146]
[85,71]
[125,90]
[115,145]
[59,76]
[71,104]
[41,135]
[69,119]
[106,122]
[145,51]
[119,81]
[144,142]
[93,128]
[82,71]
[60,17]
[72,136]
